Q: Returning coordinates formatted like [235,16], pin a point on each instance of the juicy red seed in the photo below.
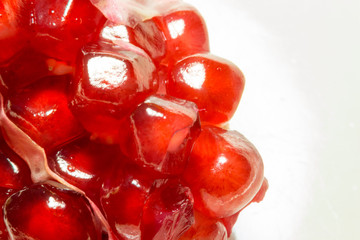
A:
[174,35]
[26,67]
[205,228]
[62,27]
[9,47]
[14,172]
[110,82]
[41,110]
[162,133]
[12,36]
[46,211]
[213,83]
[186,33]
[128,187]
[168,212]
[4,194]
[225,171]
[84,164]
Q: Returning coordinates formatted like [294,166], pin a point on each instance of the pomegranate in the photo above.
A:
[110,118]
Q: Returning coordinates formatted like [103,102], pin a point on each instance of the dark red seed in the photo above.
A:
[123,196]
[41,111]
[168,212]
[85,164]
[110,82]
[12,35]
[62,27]
[174,34]
[14,171]
[213,83]
[225,172]
[162,133]
[46,211]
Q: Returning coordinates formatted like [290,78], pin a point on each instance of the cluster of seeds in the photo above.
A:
[112,115]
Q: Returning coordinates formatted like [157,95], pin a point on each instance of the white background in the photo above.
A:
[300,107]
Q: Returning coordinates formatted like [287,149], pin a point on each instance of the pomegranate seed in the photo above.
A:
[110,82]
[84,164]
[162,133]
[173,35]
[168,212]
[205,228]
[47,211]
[41,110]
[12,36]
[62,27]
[213,83]
[224,172]
[27,67]
[14,172]
[129,187]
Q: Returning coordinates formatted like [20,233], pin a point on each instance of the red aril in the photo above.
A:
[84,164]
[41,110]
[162,132]
[12,35]
[47,211]
[174,34]
[213,83]
[110,82]
[205,228]
[176,31]
[23,69]
[62,27]
[28,66]
[225,171]
[168,212]
[123,196]
[14,172]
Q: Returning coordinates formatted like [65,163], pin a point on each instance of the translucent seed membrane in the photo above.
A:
[49,211]
[130,12]
[162,131]
[225,172]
